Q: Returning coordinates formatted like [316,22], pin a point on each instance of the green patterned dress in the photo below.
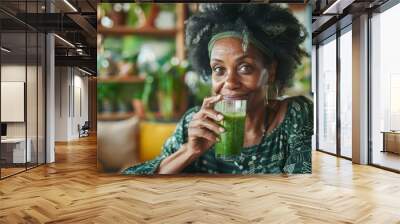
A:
[287,149]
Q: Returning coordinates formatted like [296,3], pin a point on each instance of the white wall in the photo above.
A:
[33,126]
[71,93]
[61,103]
[80,100]
[15,73]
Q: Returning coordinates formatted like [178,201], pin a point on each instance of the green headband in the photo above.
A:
[258,44]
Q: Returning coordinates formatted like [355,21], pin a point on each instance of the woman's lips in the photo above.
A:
[235,97]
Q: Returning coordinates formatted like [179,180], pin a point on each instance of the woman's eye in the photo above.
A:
[218,70]
[245,69]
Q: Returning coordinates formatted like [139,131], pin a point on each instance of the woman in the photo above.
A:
[250,52]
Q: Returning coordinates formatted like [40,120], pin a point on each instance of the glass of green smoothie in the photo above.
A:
[231,141]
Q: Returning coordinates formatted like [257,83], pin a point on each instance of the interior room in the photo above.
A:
[28,100]
[90,88]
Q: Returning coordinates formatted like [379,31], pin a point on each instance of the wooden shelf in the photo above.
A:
[121,79]
[114,116]
[145,31]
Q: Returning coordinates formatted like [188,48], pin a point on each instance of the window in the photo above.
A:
[346,93]
[385,88]
[327,96]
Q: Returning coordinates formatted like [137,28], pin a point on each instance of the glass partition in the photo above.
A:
[22,89]
[15,151]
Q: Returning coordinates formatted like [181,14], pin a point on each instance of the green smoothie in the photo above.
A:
[231,141]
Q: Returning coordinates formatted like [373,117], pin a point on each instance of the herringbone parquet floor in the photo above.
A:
[72,191]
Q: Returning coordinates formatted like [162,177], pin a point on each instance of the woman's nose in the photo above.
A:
[232,80]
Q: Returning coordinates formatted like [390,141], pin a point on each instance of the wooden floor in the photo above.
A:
[5,172]
[387,159]
[8,171]
[72,191]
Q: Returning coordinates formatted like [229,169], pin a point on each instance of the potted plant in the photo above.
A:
[198,88]
[171,89]
[130,53]
[106,97]
[100,98]
[164,101]
[164,91]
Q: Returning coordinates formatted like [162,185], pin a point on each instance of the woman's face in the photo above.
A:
[238,74]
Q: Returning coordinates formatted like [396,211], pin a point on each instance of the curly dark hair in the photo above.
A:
[274,26]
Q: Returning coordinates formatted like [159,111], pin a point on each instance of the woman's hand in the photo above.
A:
[202,134]
[203,130]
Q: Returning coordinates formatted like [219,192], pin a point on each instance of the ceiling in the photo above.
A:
[328,15]
[77,24]
[72,20]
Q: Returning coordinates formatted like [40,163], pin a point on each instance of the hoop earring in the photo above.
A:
[271,93]
[266,94]
[275,94]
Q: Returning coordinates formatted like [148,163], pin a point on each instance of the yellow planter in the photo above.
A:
[152,137]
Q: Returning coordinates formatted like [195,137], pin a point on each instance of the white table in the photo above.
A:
[18,149]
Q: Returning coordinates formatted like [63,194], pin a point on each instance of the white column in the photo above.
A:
[50,94]
[360,90]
